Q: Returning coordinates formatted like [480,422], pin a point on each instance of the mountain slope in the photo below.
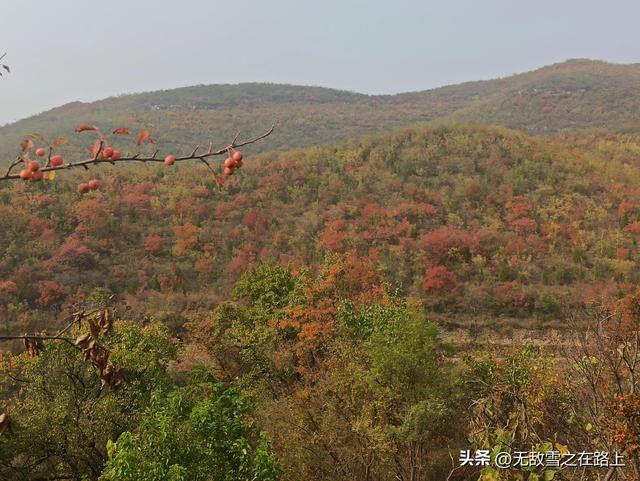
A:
[570,95]
[477,222]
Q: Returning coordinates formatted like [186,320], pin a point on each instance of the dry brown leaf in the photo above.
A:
[4,423]
[144,136]
[83,340]
[85,127]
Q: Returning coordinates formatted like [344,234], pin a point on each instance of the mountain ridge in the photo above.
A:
[551,67]
[575,94]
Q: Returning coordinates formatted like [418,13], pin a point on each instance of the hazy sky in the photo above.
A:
[64,50]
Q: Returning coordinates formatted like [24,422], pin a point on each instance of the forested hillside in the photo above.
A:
[570,95]
[298,322]
[479,223]
[351,304]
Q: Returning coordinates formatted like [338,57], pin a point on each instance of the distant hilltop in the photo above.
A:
[571,95]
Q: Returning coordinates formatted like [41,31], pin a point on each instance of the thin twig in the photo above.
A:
[138,158]
[30,337]
[34,337]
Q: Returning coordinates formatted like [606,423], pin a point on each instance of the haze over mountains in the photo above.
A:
[571,95]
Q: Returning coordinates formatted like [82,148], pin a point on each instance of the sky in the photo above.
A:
[67,50]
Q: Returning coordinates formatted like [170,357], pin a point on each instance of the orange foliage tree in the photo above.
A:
[606,357]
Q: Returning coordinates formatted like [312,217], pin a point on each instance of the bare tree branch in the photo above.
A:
[96,159]
[3,66]
[76,319]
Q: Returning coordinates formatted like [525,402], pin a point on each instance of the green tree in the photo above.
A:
[519,403]
[197,433]
[61,419]
[379,406]
[266,288]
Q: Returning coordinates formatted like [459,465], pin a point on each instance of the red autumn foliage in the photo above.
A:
[73,254]
[154,244]
[50,293]
[624,422]
[144,136]
[255,221]
[524,225]
[8,289]
[439,281]
[519,207]
[138,196]
[246,256]
[186,238]
[414,211]
[633,227]
[92,216]
[625,207]
[622,253]
[442,244]
[85,127]
[38,226]
[333,236]
[347,277]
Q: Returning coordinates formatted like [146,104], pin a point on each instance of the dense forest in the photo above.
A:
[351,305]
[478,223]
